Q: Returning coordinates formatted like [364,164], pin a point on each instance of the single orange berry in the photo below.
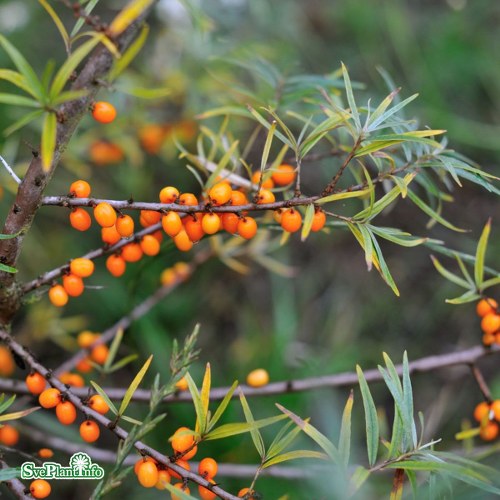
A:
[84,365]
[141,460]
[182,384]
[150,245]
[110,235]
[246,493]
[495,408]
[103,112]
[277,214]
[190,454]
[265,196]
[72,379]
[58,295]
[205,493]
[45,453]
[105,214]
[247,227]
[169,194]
[182,241]
[168,277]
[230,222]
[39,488]
[86,338]
[291,220]
[125,226]
[182,270]
[187,199]
[105,153]
[486,306]
[89,431]
[35,383]
[147,474]
[489,339]
[73,285]
[81,267]
[194,228]
[181,463]
[66,412]
[258,378]
[238,198]
[283,175]
[50,398]
[80,219]
[210,223]
[490,323]
[220,193]
[267,183]
[151,137]
[319,221]
[150,217]
[171,223]
[180,486]
[9,436]
[7,365]
[489,431]
[163,478]
[116,265]
[80,189]
[207,468]
[158,235]
[132,252]
[98,404]
[99,354]
[182,439]
[482,411]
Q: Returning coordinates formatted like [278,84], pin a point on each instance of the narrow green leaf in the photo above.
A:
[7,269]
[367,244]
[130,54]
[358,479]
[382,266]
[57,21]
[18,414]
[345,431]
[122,362]
[469,296]
[205,394]
[397,236]
[480,254]
[224,111]
[134,385]
[491,282]
[49,133]
[178,493]
[69,95]
[448,274]
[6,404]
[229,155]
[283,439]
[343,196]
[380,115]
[88,9]
[228,430]
[113,349]
[222,407]
[267,147]
[350,98]
[201,416]
[23,121]
[256,435]
[308,220]
[266,124]
[16,79]
[408,397]
[9,236]
[294,455]
[18,100]
[9,473]
[101,392]
[131,420]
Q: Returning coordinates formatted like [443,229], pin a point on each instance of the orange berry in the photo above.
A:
[73,285]
[99,354]
[171,223]
[110,235]
[246,492]
[58,295]
[247,227]
[490,323]
[495,408]
[319,221]
[168,277]
[169,194]
[230,222]
[182,270]
[80,219]
[267,183]
[283,175]
[194,228]
[141,460]
[125,226]
[258,378]
[265,196]
[84,365]
[489,431]
[190,454]
[50,398]
[80,189]
[7,365]
[39,488]
[181,463]
[489,339]
[210,223]
[182,384]
[486,306]
[277,214]
[220,193]
[105,153]
[187,199]
[238,198]
[163,478]
[35,383]
[205,493]
[182,487]
[150,245]
[182,241]
[151,137]
[207,468]
[98,404]
[66,412]
[86,338]
[9,436]
[291,220]
[105,214]
[81,267]
[182,440]
[89,431]
[116,265]
[158,236]
[103,112]
[150,217]
[481,411]
[72,379]
[147,474]
[45,453]
[132,252]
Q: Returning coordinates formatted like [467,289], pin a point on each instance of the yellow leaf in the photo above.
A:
[128,15]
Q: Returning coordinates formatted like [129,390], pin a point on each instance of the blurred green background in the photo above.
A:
[331,314]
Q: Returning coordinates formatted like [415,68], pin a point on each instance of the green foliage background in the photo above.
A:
[332,314]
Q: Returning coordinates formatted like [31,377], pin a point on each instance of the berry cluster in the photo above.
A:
[488,416]
[487,310]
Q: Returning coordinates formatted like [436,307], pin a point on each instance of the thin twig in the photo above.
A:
[11,172]
[483,386]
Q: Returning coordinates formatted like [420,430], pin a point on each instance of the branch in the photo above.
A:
[17,488]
